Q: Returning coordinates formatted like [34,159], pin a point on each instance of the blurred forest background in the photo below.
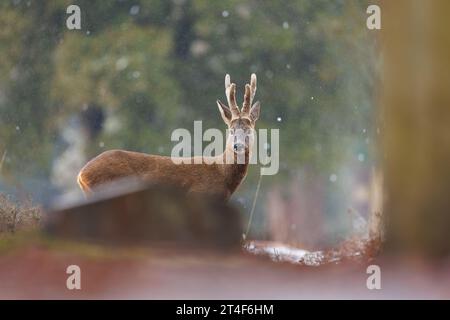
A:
[139,69]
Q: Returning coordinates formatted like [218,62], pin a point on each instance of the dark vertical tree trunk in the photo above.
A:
[183,28]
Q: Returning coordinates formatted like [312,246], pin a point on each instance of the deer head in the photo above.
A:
[241,123]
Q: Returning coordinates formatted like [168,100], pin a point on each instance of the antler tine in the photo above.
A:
[227,81]
[250,91]
[253,85]
[247,100]
[230,92]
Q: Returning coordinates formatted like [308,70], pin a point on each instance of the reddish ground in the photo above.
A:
[39,272]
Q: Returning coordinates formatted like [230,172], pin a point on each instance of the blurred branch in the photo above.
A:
[2,160]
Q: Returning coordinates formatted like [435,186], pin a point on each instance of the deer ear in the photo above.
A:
[224,111]
[254,111]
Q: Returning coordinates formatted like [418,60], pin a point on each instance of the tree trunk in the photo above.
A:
[416,111]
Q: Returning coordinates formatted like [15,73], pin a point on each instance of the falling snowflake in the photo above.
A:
[333,178]
[361,157]
[136,74]
[225,13]
[134,10]
[121,63]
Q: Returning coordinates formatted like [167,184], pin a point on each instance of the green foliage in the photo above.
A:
[162,65]
[125,71]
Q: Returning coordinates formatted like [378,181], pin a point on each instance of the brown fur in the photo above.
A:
[216,179]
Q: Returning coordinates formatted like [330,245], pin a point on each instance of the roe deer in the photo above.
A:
[217,176]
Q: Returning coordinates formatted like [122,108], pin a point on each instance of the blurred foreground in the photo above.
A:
[193,252]
[38,271]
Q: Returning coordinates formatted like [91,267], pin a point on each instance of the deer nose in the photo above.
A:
[239,147]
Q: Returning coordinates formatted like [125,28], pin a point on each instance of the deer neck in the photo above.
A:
[234,173]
